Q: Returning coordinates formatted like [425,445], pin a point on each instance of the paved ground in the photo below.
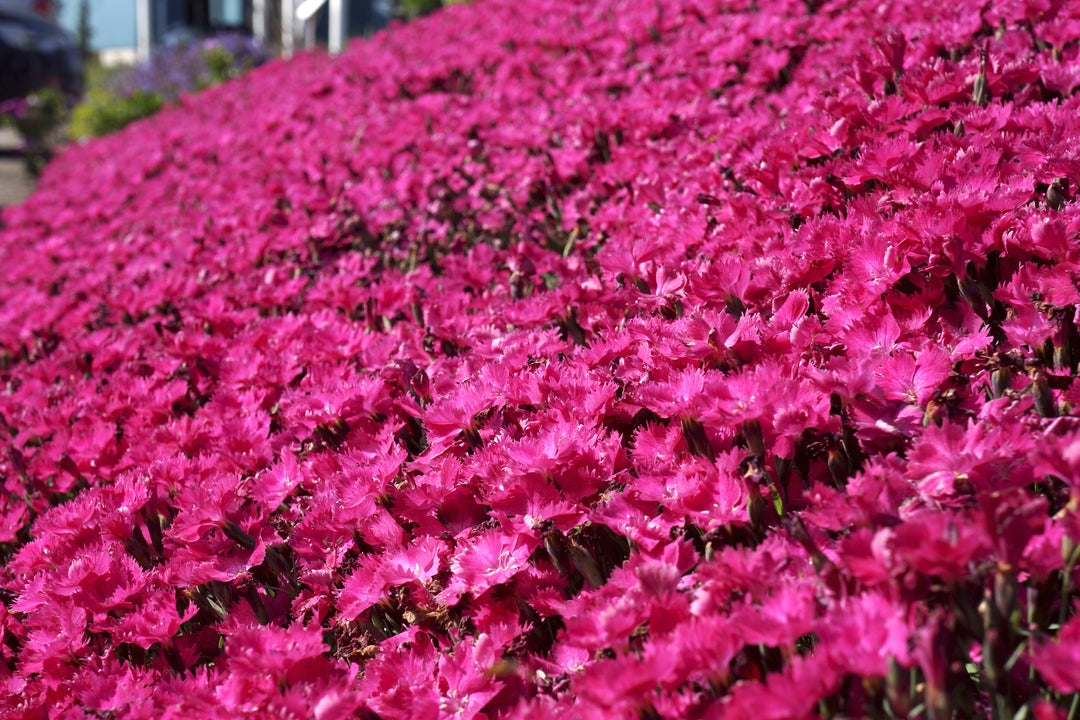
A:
[15,182]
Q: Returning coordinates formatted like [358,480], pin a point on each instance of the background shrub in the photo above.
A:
[103,112]
[115,99]
[413,8]
[39,120]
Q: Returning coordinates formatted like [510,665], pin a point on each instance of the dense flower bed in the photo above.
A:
[673,359]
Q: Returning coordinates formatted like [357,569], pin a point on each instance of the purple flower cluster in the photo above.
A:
[623,359]
[190,65]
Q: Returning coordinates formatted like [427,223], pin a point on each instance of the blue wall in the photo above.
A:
[112,22]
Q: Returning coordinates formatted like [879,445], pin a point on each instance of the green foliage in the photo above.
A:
[220,64]
[102,112]
[224,64]
[414,8]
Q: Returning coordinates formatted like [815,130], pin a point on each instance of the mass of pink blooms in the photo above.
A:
[649,359]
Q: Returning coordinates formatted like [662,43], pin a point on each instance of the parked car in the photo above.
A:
[35,52]
[45,8]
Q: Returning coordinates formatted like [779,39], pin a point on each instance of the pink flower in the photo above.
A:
[485,561]
[934,543]
[1056,659]
[155,620]
[681,359]
[862,634]
[374,575]
[954,459]
[914,380]
[274,666]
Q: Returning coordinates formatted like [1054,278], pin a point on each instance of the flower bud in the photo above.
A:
[783,474]
[421,385]
[757,508]
[1045,352]
[1068,547]
[1005,590]
[754,439]
[1044,398]
[585,564]
[980,91]
[1055,194]
[697,442]
[237,534]
[257,606]
[556,547]
[838,465]
[896,688]
[1000,381]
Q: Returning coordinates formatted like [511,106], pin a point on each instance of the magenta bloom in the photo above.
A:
[540,358]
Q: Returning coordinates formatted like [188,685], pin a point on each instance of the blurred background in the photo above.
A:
[75,69]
